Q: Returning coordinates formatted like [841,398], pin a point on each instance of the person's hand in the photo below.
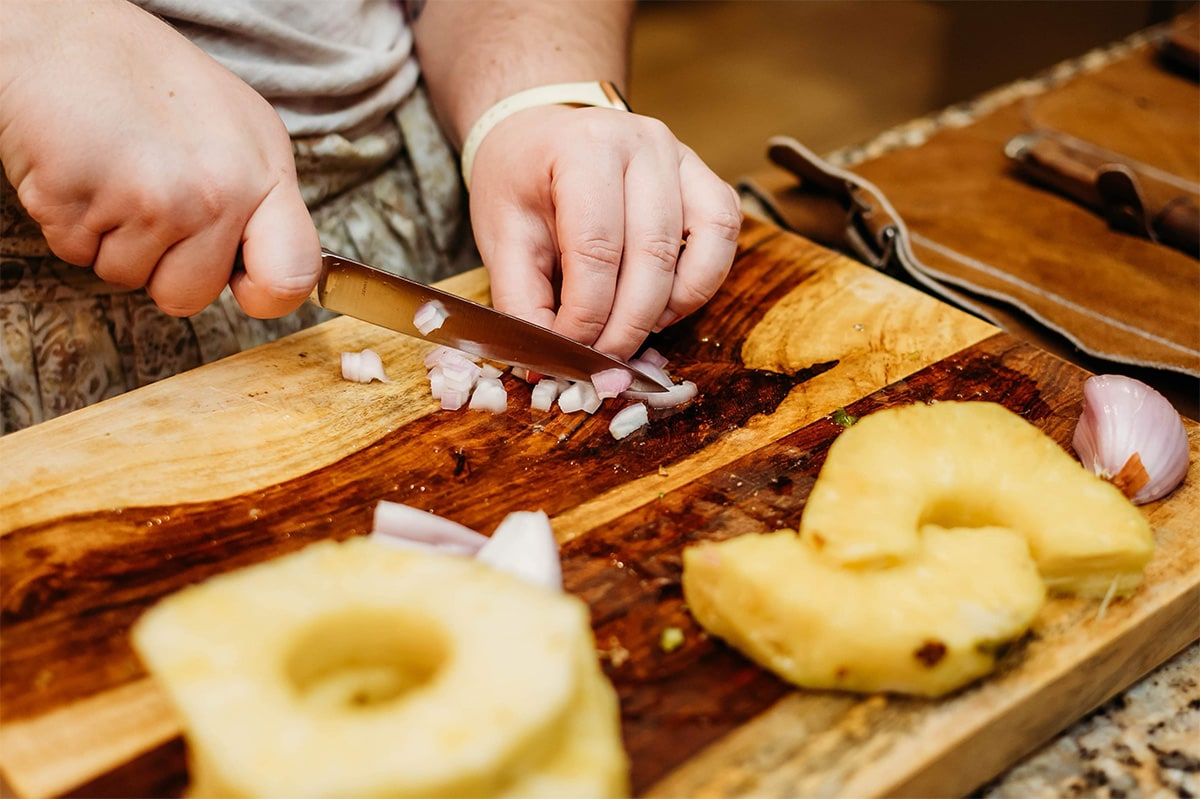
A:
[143,158]
[601,199]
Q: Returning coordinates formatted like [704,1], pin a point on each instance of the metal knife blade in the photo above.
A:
[356,289]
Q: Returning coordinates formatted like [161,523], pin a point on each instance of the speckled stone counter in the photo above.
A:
[1143,743]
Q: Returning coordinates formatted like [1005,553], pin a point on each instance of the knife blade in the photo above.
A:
[372,295]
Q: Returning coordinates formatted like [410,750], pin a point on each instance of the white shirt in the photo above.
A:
[325,65]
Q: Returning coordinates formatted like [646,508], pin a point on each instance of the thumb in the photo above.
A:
[282,256]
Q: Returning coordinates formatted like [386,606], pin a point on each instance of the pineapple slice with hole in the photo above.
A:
[926,545]
[973,464]
[925,626]
[352,669]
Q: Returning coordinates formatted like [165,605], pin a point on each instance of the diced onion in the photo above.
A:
[454,398]
[489,395]
[430,317]
[629,420]
[363,367]
[579,396]
[524,546]
[545,393]
[403,525]
[651,370]
[457,380]
[437,382]
[672,397]
[441,351]
[653,357]
[460,372]
[611,382]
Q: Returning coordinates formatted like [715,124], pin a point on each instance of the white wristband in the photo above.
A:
[593,93]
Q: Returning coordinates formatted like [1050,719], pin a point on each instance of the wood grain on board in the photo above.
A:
[117,505]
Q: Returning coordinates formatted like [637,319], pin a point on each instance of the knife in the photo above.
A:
[355,289]
[1133,198]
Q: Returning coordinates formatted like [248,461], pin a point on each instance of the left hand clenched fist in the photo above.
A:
[600,200]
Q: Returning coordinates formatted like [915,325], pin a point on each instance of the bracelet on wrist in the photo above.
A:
[602,94]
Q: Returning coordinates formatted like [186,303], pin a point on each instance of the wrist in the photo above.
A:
[601,94]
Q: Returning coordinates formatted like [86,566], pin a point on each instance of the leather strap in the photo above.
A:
[842,210]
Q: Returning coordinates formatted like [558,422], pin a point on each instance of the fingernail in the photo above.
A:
[667,319]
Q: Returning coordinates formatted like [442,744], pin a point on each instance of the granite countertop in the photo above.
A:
[1144,742]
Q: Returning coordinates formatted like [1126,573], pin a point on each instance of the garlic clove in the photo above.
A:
[1131,435]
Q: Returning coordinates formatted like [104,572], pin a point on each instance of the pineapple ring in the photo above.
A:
[927,542]
[926,626]
[973,464]
[353,669]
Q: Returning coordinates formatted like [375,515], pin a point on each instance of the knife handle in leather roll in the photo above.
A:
[1113,186]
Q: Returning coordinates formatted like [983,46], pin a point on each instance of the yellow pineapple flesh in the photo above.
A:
[925,626]
[972,464]
[355,669]
[927,543]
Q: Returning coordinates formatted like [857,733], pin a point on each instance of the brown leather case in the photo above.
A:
[957,217]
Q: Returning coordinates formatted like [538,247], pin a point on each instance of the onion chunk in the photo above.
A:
[629,420]
[489,395]
[363,367]
[430,317]
[522,545]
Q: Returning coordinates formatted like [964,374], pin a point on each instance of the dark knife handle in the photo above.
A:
[1113,187]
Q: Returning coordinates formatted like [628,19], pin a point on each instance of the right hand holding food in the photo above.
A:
[143,158]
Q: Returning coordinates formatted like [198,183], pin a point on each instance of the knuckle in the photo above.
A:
[596,253]
[660,251]
[689,296]
[726,223]
[588,319]
[586,326]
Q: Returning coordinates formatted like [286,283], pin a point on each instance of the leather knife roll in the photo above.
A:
[956,216]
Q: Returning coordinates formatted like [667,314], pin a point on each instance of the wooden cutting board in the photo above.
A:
[109,509]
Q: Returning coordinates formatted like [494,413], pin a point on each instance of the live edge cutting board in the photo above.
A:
[109,509]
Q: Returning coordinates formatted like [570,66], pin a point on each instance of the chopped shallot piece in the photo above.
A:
[454,398]
[458,379]
[612,382]
[404,525]
[441,351]
[363,367]
[656,373]
[675,395]
[629,420]
[545,393]
[437,382]
[653,357]
[579,396]
[460,372]
[489,395]
[429,317]
[524,546]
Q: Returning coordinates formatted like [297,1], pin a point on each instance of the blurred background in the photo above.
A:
[728,74]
